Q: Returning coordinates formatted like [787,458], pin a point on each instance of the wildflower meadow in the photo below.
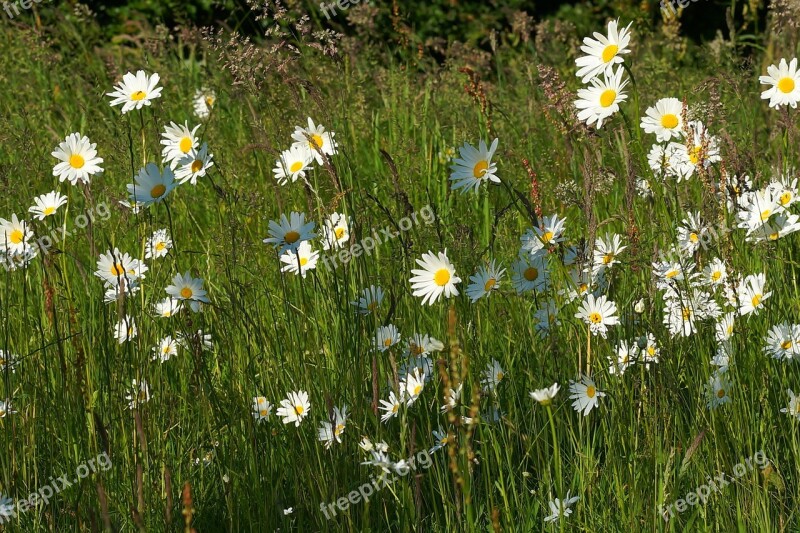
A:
[425,266]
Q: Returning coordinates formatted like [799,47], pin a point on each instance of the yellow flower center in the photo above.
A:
[291,237]
[417,390]
[185,145]
[721,393]
[607,97]
[416,350]
[296,166]
[669,121]
[197,165]
[786,344]
[651,350]
[299,409]
[339,429]
[161,245]
[490,284]
[608,258]
[387,341]
[500,376]
[693,237]
[785,198]
[16,236]
[186,292]
[609,52]
[441,277]
[339,232]
[786,85]
[76,161]
[480,168]
[530,274]
[686,313]
[158,190]
[595,318]
[263,412]
[117,270]
[372,306]
[774,236]
[756,300]
[49,211]
[209,101]
[138,95]
[672,273]
[765,214]
[395,407]
[694,154]
[303,261]
[591,391]
[547,237]
[583,287]
[316,141]
[716,275]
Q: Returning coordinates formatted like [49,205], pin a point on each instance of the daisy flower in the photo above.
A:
[7,361]
[204,100]
[331,431]
[369,301]
[691,233]
[794,405]
[336,231]
[114,267]
[293,164]
[411,387]
[701,149]
[158,245]
[167,307]
[601,100]
[530,274]
[78,159]
[316,140]
[623,360]
[436,278]
[715,273]
[664,119]
[603,52]
[14,236]
[484,281]
[783,341]
[300,261]
[546,317]
[718,390]
[663,160]
[441,438]
[290,233]
[552,230]
[724,327]
[166,349]
[473,167]
[194,165]
[559,508]
[492,375]
[606,251]
[585,394]
[386,337]
[545,396]
[261,408]
[598,314]
[451,398]
[390,407]
[135,92]
[178,141]
[140,393]
[47,204]
[125,329]
[422,345]
[294,408]
[785,84]
[151,185]
[189,290]
[752,294]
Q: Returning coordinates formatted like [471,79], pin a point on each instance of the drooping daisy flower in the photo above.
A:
[14,236]
[386,337]
[623,360]
[752,294]
[204,100]
[188,290]
[47,204]
[473,167]
[585,394]
[436,278]
[441,438]
[194,165]
[135,92]
[166,349]
[530,274]
[783,341]
[559,508]
[167,307]
[115,267]
[294,408]
[492,375]
[369,301]
[331,431]
[390,407]
[485,281]
[178,141]
[601,100]
[151,185]
[290,233]
[718,390]
[293,164]
[125,329]
[603,52]
[598,314]
[794,405]
[451,398]
[79,161]
[545,396]
[261,408]
[300,261]
[664,119]
[724,327]
[316,140]
[411,387]
[158,245]
[785,84]
[336,231]
[140,394]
